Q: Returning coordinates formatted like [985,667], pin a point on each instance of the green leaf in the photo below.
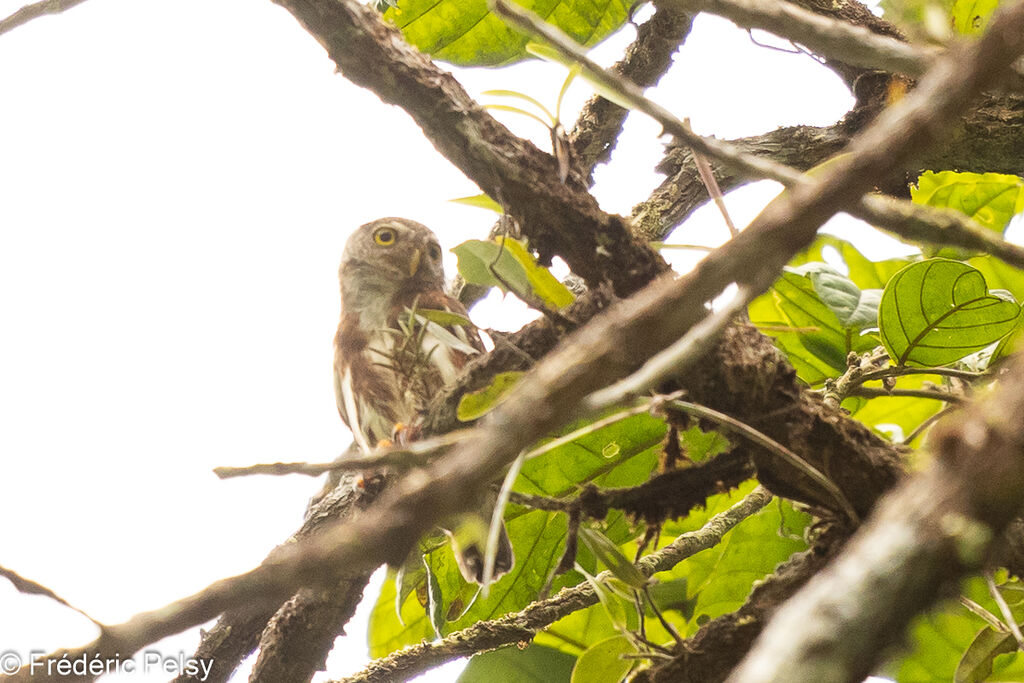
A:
[864,272]
[720,578]
[475,404]
[855,308]
[534,664]
[544,284]
[387,632]
[444,318]
[550,54]
[480,201]
[467,33]
[937,311]
[609,554]
[1000,275]
[699,445]
[971,16]
[802,312]
[976,664]
[603,661]
[616,609]
[942,639]
[562,470]
[509,265]
[991,199]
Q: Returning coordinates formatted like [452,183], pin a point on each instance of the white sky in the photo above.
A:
[177,179]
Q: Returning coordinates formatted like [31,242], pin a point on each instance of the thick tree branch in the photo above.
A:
[645,61]
[558,218]
[890,214]
[522,626]
[988,138]
[935,528]
[833,38]
[238,632]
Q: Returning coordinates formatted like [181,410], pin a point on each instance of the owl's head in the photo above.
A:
[393,251]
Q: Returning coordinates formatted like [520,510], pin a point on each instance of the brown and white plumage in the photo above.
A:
[390,267]
[389,360]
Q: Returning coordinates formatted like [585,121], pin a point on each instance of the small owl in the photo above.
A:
[393,352]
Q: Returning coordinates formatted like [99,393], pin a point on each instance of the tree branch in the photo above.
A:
[522,626]
[34,11]
[838,40]
[934,529]
[559,218]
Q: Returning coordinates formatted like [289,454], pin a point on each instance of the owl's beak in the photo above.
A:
[414,262]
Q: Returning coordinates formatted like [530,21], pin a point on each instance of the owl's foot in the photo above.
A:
[403,434]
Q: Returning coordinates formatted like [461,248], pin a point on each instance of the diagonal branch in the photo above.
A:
[934,529]
[839,40]
[562,219]
[34,11]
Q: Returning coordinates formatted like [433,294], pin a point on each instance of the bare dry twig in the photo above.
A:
[34,11]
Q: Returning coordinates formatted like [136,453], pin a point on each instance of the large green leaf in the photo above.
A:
[534,664]
[476,404]
[818,316]
[467,33]
[621,454]
[604,662]
[864,272]
[720,578]
[941,642]
[937,311]
[970,17]
[508,264]
[991,199]
[710,583]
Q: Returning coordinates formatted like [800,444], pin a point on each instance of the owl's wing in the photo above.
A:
[349,345]
[345,396]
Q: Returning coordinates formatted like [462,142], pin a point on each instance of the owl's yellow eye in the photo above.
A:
[385,237]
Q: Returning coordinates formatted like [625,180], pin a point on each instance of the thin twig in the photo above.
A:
[1008,618]
[411,455]
[900,370]
[34,11]
[879,392]
[982,613]
[928,422]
